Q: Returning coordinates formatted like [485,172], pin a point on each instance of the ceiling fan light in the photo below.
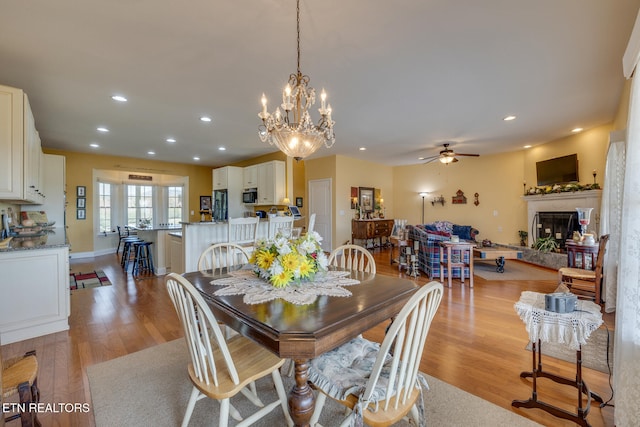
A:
[446,159]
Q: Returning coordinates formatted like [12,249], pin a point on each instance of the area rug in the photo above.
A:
[88,280]
[151,387]
[513,270]
[594,352]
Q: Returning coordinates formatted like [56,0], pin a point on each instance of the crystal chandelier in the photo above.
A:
[293,131]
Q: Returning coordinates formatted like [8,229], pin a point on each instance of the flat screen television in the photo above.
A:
[560,170]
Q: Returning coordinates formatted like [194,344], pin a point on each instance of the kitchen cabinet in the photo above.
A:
[227,177]
[177,256]
[35,293]
[271,182]
[250,177]
[20,149]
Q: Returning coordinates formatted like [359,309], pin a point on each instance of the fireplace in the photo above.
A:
[560,225]
[563,204]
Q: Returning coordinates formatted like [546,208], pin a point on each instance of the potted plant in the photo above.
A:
[546,244]
[523,237]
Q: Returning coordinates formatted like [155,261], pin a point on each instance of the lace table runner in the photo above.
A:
[572,329]
[256,290]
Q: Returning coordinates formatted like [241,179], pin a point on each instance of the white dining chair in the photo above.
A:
[219,368]
[312,223]
[222,255]
[353,257]
[379,382]
[243,231]
[280,224]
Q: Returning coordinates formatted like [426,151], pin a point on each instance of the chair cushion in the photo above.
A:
[346,370]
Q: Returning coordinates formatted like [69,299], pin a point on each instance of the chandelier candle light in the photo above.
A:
[293,131]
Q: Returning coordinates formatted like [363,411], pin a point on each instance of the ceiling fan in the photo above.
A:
[447,156]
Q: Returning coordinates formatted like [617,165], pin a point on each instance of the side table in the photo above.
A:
[397,242]
[572,329]
[456,249]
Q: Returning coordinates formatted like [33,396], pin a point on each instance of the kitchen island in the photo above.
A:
[176,249]
[34,290]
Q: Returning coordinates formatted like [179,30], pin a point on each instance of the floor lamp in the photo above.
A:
[423,195]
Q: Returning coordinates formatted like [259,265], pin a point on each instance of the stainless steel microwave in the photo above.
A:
[250,195]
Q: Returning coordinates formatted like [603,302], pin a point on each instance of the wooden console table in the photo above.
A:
[371,229]
[572,329]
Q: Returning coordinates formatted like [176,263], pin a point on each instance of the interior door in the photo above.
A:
[320,204]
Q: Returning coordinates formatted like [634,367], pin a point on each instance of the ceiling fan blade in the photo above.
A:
[468,155]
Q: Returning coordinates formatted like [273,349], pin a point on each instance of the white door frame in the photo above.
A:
[321,203]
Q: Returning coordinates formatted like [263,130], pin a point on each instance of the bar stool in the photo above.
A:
[128,250]
[143,260]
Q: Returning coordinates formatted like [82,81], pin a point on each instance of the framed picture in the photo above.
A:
[366,199]
[81,191]
[299,202]
[81,202]
[81,214]
[205,203]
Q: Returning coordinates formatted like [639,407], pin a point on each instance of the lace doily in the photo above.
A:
[256,290]
[572,329]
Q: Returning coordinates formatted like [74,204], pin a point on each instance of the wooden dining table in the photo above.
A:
[302,332]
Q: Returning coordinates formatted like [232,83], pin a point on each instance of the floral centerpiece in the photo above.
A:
[284,261]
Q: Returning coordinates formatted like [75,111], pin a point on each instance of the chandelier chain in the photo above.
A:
[298,31]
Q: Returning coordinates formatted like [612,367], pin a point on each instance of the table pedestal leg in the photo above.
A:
[580,417]
[301,398]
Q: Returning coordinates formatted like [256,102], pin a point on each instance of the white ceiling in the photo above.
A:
[402,76]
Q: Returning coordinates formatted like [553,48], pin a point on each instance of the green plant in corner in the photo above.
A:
[546,244]
[523,237]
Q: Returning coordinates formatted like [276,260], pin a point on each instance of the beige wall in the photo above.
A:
[80,172]
[497,179]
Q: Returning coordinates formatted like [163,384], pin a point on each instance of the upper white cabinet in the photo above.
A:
[227,178]
[20,149]
[271,182]
[250,177]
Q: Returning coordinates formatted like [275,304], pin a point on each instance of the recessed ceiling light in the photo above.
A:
[94,145]
[362,148]
[222,148]
[576,130]
[119,98]
[420,158]
[509,118]
[527,146]
[151,153]
[171,140]
[205,119]
[102,129]
[196,158]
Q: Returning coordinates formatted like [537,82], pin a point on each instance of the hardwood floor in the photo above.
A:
[476,342]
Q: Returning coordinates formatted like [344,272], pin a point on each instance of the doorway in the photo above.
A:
[320,204]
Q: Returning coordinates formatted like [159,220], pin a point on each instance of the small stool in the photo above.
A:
[143,260]
[127,250]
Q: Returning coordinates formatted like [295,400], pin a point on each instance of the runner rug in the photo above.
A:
[88,280]
[152,387]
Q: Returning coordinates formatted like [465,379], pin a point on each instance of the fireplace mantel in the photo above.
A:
[562,202]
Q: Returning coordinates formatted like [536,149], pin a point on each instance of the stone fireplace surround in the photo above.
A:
[562,202]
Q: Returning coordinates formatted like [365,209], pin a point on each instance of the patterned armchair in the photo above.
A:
[430,235]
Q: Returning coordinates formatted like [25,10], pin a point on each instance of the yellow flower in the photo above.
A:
[305,269]
[264,259]
[290,261]
[281,280]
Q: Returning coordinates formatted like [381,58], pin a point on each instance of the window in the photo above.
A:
[174,209]
[104,207]
[139,205]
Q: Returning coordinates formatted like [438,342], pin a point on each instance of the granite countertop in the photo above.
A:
[159,228]
[45,239]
